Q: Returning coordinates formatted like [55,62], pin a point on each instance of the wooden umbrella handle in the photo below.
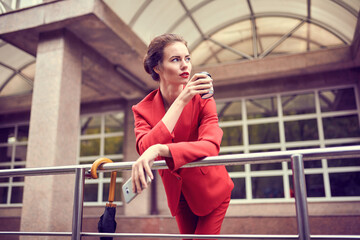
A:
[94,175]
[96,164]
[112,187]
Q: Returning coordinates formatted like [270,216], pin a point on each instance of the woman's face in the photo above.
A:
[176,66]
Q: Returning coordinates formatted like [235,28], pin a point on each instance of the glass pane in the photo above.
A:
[16,86]
[296,104]
[113,145]
[4,179]
[90,147]
[314,185]
[337,100]
[317,36]
[264,133]
[313,164]
[265,167]
[224,55]
[260,108]
[23,133]
[17,194]
[232,136]
[229,111]
[7,135]
[234,168]
[201,54]
[90,125]
[14,57]
[114,122]
[20,153]
[343,144]
[341,127]
[238,36]
[276,27]
[5,72]
[118,174]
[307,163]
[290,45]
[27,3]
[347,162]
[90,192]
[267,187]
[5,154]
[118,192]
[345,184]
[3,194]
[239,191]
[301,130]
[18,179]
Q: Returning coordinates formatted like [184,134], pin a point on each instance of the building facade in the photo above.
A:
[286,77]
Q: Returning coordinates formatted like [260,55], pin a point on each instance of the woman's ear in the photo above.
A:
[156,69]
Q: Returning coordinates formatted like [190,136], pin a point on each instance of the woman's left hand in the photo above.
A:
[141,167]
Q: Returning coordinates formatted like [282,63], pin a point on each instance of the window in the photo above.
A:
[101,135]
[316,118]
[13,149]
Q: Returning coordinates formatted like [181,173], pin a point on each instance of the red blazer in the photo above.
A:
[196,135]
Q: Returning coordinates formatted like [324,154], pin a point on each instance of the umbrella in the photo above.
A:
[107,223]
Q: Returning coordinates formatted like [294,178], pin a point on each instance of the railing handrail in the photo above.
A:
[174,235]
[231,159]
[296,156]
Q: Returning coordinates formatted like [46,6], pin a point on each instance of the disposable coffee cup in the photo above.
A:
[211,90]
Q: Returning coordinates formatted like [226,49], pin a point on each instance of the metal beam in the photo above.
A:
[254,29]
[281,40]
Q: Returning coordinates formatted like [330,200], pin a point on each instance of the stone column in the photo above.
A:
[53,134]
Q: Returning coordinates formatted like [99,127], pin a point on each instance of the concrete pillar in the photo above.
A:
[53,134]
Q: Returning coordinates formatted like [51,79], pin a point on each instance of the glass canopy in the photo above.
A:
[17,70]
[216,31]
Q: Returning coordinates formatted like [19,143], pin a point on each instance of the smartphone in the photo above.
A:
[128,193]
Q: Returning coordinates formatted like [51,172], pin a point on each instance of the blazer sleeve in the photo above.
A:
[207,144]
[146,135]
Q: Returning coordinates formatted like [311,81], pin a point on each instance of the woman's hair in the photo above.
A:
[155,53]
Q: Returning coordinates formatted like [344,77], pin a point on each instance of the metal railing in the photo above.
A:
[297,158]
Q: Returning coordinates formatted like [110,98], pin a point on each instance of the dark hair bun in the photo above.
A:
[155,52]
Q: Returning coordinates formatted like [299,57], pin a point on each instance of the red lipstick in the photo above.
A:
[184,75]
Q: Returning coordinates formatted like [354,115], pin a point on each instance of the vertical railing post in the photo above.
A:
[300,197]
[78,203]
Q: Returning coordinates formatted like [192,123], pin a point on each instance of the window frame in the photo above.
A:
[13,164]
[282,145]
[115,157]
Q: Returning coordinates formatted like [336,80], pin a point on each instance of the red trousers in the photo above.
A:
[189,223]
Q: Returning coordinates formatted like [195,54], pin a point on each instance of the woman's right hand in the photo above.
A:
[200,83]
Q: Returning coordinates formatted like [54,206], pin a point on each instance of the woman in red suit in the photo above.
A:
[174,123]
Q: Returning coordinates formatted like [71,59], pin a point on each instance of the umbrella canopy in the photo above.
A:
[107,223]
